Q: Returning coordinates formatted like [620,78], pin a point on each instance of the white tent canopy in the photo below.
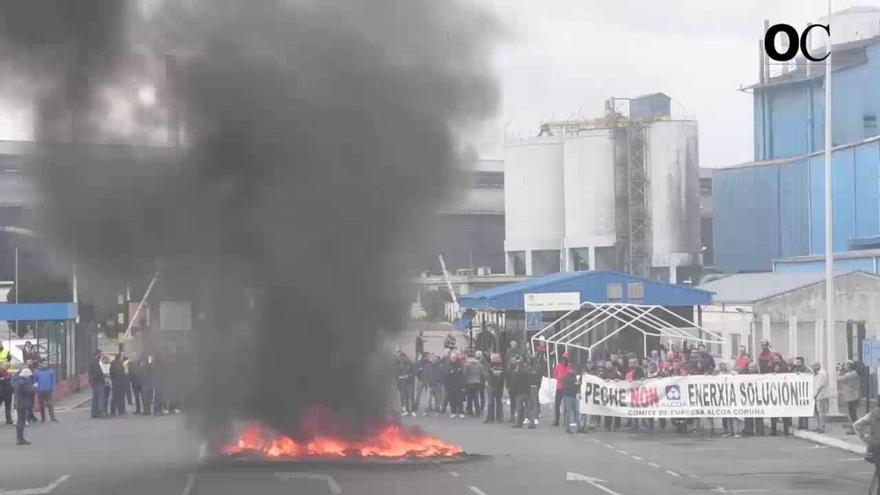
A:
[644,318]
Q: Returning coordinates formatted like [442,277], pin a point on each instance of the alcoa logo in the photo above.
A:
[673,396]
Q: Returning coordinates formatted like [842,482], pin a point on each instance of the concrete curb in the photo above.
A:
[821,438]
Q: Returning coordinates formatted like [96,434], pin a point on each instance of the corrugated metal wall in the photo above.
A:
[794,208]
[765,212]
[796,111]
[746,218]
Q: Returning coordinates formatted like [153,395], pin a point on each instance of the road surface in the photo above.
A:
[145,455]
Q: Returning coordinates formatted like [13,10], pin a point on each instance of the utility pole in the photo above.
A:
[830,327]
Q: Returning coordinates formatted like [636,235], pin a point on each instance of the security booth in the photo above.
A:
[589,312]
[54,334]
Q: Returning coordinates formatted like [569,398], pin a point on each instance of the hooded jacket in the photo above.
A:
[454,377]
[96,374]
[495,376]
[473,371]
[522,377]
[117,372]
[23,389]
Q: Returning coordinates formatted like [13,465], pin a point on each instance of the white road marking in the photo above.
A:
[594,482]
[37,491]
[637,458]
[453,474]
[190,482]
[721,489]
[672,473]
[477,490]
[609,445]
[331,483]
[594,440]
[712,449]
[808,447]
[654,464]
[847,459]
[692,475]
[623,452]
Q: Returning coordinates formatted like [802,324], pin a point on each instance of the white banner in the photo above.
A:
[551,301]
[547,392]
[718,396]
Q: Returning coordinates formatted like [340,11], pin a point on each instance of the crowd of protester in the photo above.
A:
[472,383]
[119,382]
[28,389]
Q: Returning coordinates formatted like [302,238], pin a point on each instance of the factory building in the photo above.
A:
[468,229]
[615,193]
[772,210]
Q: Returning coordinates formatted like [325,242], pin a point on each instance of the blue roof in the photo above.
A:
[37,311]
[593,287]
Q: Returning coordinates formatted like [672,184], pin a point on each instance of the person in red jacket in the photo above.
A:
[562,369]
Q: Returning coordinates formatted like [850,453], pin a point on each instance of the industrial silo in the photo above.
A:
[588,173]
[534,206]
[673,194]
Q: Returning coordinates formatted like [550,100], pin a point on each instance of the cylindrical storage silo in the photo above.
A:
[534,211]
[588,173]
[673,192]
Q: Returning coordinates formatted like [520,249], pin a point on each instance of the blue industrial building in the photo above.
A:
[773,208]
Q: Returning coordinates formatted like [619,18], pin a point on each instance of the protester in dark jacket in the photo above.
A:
[137,385]
[610,372]
[708,360]
[404,369]
[96,381]
[522,378]
[434,379]
[442,371]
[495,382]
[118,384]
[508,382]
[6,390]
[779,367]
[473,380]
[571,405]
[23,389]
[145,375]
[455,386]
[420,381]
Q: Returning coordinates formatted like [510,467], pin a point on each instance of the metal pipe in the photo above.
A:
[141,305]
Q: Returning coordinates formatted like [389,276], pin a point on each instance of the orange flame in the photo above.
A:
[389,441]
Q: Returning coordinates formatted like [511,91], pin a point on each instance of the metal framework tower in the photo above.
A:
[631,186]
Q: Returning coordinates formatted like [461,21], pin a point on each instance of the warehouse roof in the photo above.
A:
[749,288]
[593,286]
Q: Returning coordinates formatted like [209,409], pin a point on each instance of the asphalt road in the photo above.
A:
[141,455]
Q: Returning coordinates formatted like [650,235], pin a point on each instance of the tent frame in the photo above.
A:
[597,314]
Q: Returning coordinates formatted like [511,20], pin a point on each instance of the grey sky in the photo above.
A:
[566,57]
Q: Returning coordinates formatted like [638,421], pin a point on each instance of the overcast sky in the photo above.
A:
[564,58]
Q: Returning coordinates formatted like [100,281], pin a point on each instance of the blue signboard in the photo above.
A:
[871,353]
[534,321]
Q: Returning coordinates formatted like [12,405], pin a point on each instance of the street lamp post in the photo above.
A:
[830,327]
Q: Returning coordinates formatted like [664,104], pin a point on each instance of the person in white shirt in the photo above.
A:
[820,394]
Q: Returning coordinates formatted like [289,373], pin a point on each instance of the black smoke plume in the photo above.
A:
[315,137]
